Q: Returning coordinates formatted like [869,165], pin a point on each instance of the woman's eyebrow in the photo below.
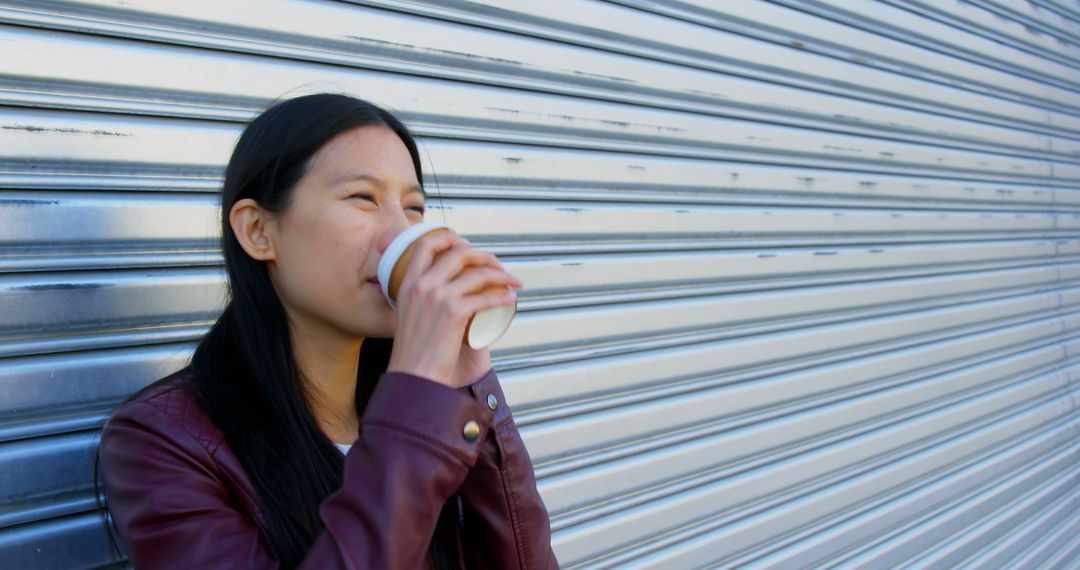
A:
[354,176]
[417,188]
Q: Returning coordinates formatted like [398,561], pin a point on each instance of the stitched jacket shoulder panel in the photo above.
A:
[176,398]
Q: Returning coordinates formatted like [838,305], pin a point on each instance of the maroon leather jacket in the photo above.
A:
[180,498]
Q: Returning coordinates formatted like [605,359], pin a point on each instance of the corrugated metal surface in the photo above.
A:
[803,276]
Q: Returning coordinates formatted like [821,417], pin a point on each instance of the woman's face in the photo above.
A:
[359,192]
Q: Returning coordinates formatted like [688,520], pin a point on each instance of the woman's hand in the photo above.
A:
[434,304]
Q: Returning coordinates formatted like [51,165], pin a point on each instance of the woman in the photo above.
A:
[317,427]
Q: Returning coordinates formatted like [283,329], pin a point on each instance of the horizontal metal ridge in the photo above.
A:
[662,419]
[57,543]
[1022,534]
[87,222]
[1050,545]
[630,131]
[799,29]
[16,426]
[34,469]
[136,258]
[88,304]
[618,224]
[511,118]
[897,43]
[52,507]
[971,17]
[35,366]
[767,522]
[984,523]
[80,224]
[743,243]
[1062,7]
[35,386]
[477,169]
[909,27]
[599,491]
[36,305]
[27,514]
[201,291]
[790,496]
[37,156]
[589,326]
[567,281]
[895,533]
[851,255]
[1034,19]
[530,221]
[41,411]
[418,46]
[596,280]
[148,335]
[992,469]
[53,177]
[720,183]
[601,379]
[604,331]
[1069,549]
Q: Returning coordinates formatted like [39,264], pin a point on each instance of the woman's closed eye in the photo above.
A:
[371,198]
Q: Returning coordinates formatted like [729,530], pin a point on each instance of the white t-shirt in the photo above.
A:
[344,447]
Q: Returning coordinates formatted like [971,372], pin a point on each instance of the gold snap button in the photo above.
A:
[471,431]
[492,401]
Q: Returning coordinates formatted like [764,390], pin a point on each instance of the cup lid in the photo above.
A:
[398,247]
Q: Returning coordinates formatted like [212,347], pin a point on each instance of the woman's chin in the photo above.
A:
[385,328]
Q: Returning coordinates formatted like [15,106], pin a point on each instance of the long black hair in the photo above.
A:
[244,368]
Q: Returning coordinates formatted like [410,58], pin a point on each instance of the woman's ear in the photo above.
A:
[254,228]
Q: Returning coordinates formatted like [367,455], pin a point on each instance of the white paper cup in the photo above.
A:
[484,328]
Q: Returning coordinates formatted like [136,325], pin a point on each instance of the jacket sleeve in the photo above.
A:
[505,524]
[173,508]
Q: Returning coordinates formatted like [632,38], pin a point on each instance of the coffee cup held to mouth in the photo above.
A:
[484,328]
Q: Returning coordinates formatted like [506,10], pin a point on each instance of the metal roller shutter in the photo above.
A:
[803,277]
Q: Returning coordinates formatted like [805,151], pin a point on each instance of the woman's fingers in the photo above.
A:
[468,306]
[433,256]
[479,279]
[441,261]
[459,257]
[444,268]
[476,303]
[427,248]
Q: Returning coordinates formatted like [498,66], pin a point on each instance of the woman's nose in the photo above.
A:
[391,228]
